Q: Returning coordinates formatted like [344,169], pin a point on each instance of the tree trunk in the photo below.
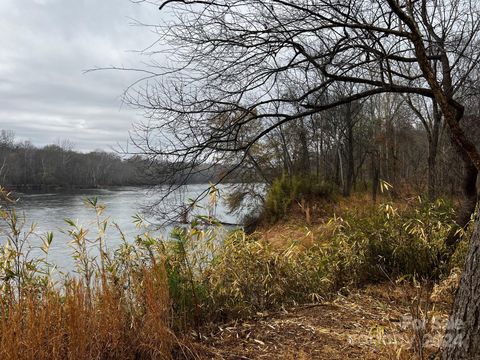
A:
[305,168]
[468,204]
[375,176]
[431,181]
[433,150]
[287,162]
[349,147]
[462,337]
[340,165]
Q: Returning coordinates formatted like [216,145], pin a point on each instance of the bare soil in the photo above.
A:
[384,321]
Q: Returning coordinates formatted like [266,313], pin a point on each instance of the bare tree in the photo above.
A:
[242,57]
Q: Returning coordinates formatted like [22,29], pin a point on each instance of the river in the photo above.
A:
[49,211]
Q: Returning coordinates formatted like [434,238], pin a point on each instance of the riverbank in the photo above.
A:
[312,287]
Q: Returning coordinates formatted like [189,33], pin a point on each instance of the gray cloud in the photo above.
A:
[46,46]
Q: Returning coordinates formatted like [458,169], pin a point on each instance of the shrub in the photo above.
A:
[387,243]
[213,280]
[249,275]
[286,190]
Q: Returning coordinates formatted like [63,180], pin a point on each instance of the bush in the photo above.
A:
[248,275]
[387,243]
[212,280]
[244,274]
[286,190]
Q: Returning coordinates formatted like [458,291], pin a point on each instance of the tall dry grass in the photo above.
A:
[117,307]
[63,323]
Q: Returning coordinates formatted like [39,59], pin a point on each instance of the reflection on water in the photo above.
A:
[49,212]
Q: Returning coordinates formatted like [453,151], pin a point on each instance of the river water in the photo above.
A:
[49,211]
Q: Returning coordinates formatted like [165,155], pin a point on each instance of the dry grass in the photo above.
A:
[116,307]
[65,324]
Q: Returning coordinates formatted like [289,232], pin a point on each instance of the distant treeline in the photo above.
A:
[26,167]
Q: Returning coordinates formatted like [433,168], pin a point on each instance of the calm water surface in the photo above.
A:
[49,212]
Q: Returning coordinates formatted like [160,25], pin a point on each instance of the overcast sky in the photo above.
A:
[46,45]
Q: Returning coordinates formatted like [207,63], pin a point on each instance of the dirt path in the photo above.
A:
[373,323]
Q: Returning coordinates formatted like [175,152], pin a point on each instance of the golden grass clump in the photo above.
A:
[65,324]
